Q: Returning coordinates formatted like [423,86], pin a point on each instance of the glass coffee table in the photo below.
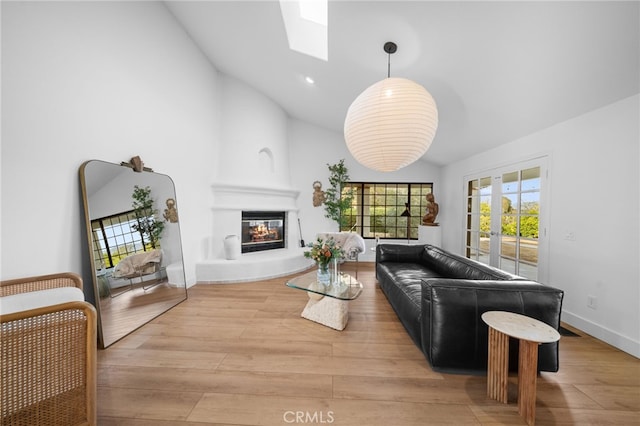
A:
[328,305]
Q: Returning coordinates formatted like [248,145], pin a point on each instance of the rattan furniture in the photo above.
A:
[48,357]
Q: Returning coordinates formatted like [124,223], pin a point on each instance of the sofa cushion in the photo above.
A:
[38,299]
[401,283]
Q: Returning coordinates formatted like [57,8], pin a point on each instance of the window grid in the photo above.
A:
[377,208]
[114,239]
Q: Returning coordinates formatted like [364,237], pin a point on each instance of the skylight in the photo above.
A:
[306,24]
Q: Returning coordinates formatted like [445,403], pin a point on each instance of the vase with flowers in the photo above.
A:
[324,252]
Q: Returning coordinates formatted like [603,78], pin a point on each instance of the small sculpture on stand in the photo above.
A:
[429,219]
[318,194]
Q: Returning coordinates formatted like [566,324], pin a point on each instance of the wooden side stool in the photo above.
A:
[531,333]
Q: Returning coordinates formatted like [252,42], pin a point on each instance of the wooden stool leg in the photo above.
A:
[527,379]
[498,365]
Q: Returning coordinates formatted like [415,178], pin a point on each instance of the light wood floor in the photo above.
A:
[131,307]
[239,354]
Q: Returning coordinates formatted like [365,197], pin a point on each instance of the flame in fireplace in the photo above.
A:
[262,233]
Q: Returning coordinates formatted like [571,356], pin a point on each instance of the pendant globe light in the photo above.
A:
[392,123]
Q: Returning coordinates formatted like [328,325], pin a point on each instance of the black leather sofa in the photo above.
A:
[440,297]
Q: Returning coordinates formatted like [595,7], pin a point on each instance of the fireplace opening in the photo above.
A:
[262,231]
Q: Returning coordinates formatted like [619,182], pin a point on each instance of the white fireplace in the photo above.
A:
[229,201]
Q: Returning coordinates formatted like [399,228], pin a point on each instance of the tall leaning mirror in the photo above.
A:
[135,247]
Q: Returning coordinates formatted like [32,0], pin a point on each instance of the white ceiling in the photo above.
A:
[497,70]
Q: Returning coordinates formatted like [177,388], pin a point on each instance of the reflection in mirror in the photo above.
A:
[135,249]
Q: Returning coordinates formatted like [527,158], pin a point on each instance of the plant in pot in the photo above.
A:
[148,224]
[338,198]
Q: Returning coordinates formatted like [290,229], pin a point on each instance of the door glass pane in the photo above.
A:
[529,220]
[531,179]
[508,265]
[485,223]
[510,182]
[528,271]
[530,203]
[528,250]
[472,254]
[509,225]
[510,203]
[484,186]
[507,246]
[529,226]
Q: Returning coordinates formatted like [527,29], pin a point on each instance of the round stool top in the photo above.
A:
[521,327]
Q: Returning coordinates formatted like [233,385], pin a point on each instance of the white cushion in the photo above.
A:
[38,299]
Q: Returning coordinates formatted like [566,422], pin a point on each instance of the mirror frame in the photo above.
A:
[106,340]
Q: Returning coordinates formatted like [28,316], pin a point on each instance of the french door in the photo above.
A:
[505,225]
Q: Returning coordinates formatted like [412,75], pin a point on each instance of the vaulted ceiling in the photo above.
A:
[497,70]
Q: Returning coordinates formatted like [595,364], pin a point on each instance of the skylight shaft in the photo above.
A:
[306,26]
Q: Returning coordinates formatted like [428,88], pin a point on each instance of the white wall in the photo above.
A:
[594,194]
[98,80]
[254,147]
[312,149]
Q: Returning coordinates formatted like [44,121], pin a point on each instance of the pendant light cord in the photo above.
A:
[389,47]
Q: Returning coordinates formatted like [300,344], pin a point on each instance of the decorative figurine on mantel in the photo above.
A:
[429,219]
[318,194]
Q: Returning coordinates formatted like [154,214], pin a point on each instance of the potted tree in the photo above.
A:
[148,224]
[337,198]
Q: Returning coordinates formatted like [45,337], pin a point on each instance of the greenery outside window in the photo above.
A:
[114,238]
[377,208]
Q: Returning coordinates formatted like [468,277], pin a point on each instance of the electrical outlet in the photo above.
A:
[570,236]
[592,302]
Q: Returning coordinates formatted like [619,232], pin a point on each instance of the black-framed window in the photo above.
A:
[114,239]
[379,210]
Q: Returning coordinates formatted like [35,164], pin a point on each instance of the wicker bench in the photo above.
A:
[47,356]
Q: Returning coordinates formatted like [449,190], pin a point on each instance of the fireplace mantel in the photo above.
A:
[227,196]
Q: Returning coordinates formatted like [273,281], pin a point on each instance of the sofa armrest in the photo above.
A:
[453,333]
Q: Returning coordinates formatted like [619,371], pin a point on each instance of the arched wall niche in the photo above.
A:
[265,158]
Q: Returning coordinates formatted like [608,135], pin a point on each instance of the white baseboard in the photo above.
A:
[605,334]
